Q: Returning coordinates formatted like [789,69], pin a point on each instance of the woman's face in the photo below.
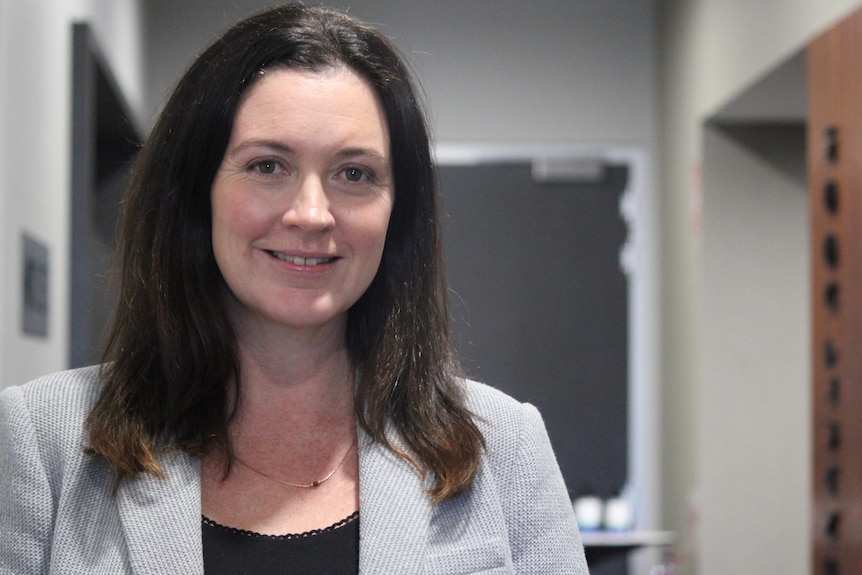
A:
[302,198]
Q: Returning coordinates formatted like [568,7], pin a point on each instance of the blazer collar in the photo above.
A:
[395,511]
[161,518]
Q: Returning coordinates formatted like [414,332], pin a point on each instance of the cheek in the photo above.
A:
[232,222]
[235,215]
[367,234]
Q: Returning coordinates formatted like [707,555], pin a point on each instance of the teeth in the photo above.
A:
[301,261]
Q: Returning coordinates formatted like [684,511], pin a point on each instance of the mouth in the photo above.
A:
[300,261]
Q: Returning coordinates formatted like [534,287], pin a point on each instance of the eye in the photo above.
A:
[354,174]
[264,167]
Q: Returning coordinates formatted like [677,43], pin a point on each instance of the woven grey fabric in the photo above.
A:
[58,513]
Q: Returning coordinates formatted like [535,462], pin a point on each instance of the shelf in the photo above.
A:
[600,545]
[627,538]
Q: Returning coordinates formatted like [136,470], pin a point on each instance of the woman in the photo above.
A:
[279,363]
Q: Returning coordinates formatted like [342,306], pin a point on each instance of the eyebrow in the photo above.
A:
[285,149]
[350,152]
[270,144]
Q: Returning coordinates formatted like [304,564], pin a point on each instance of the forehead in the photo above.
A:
[287,100]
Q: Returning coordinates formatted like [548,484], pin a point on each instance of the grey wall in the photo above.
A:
[493,70]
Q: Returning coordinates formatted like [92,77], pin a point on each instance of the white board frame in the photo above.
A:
[639,259]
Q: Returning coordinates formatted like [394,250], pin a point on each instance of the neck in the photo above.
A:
[286,354]
[294,390]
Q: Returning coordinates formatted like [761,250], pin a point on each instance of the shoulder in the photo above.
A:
[63,395]
[53,407]
[518,451]
[513,431]
[482,397]
[499,416]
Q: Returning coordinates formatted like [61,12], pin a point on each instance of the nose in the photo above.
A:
[309,207]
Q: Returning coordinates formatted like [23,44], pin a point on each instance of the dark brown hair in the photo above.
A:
[171,354]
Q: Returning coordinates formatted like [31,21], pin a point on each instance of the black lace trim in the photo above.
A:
[346,521]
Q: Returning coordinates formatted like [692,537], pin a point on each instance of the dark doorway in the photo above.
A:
[104,141]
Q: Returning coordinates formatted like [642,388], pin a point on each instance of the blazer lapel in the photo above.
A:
[161,518]
[395,512]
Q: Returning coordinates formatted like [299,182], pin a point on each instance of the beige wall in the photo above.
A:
[730,426]
[754,452]
[35,125]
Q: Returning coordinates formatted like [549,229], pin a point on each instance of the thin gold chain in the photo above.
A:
[299,485]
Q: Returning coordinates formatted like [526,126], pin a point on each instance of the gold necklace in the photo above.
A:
[315,483]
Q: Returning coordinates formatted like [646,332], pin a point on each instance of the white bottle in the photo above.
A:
[618,514]
[588,512]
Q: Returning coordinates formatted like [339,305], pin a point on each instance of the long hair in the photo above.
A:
[171,354]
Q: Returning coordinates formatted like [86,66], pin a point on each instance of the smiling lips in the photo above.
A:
[301,261]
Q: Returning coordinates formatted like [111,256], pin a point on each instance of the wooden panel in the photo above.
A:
[835,184]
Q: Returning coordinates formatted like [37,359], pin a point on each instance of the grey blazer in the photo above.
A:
[58,513]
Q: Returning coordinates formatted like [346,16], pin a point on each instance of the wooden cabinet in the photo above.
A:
[835,189]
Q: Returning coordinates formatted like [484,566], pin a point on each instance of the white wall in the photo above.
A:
[711,52]
[35,117]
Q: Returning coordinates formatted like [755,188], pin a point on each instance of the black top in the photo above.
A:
[330,551]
